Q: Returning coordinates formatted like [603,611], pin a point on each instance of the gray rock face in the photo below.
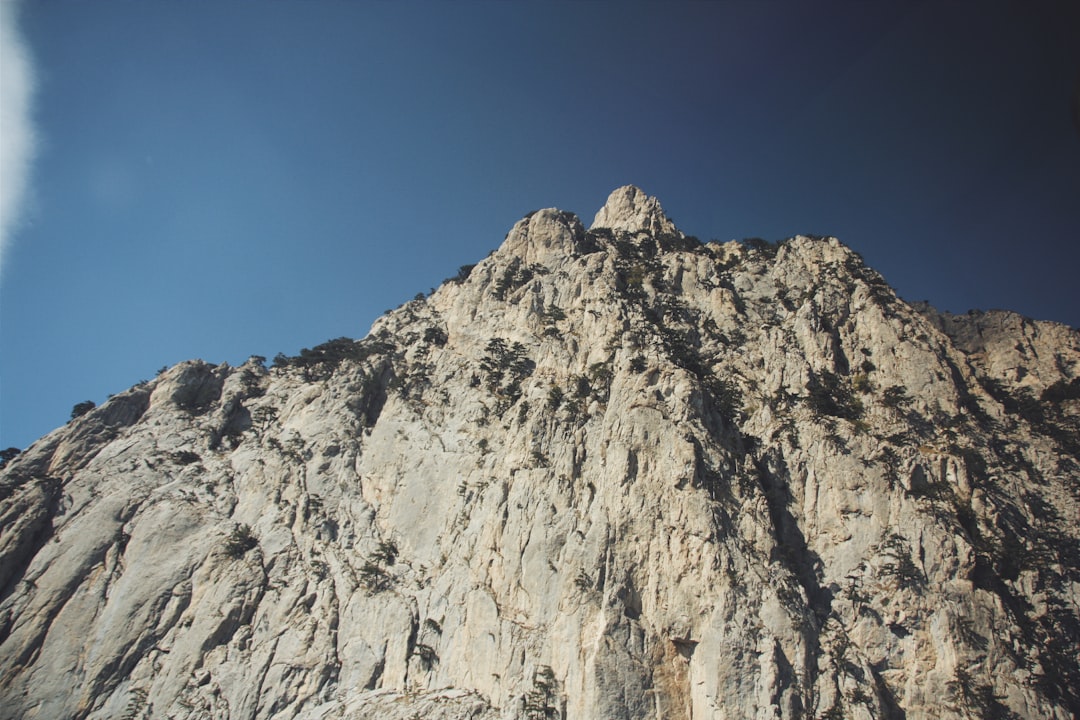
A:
[609,474]
[630,210]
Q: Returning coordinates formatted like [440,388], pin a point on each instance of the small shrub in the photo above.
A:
[899,566]
[514,277]
[830,395]
[8,455]
[82,408]
[675,243]
[726,394]
[681,346]
[435,336]
[426,654]
[462,274]
[761,246]
[251,384]
[600,374]
[554,313]
[136,705]
[184,457]
[540,700]
[330,354]
[506,365]
[582,388]
[624,248]
[895,395]
[372,577]
[240,540]
[860,383]
[583,581]
[835,712]
[385,553]
[1062,391]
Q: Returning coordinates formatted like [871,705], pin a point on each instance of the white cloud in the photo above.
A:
[16,127]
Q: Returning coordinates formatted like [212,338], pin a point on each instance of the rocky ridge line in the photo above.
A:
[609,473]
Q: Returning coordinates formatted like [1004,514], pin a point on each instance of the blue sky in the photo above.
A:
[222,179]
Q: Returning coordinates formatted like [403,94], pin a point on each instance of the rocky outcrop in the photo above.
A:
[607,473]
[629,210]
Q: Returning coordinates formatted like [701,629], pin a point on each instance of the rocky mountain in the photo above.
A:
[605,473]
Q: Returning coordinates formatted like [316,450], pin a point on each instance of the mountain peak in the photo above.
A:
[628,208]
[573,482]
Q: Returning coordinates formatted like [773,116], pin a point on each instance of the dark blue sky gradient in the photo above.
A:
[221,179]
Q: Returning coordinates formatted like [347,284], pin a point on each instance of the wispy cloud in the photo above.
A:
[16,126]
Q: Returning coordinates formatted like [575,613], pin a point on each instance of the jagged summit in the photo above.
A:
[544,236]
[628,208]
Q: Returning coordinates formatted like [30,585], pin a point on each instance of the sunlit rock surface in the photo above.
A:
[611,473]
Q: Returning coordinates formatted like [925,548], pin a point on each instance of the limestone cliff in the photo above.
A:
[604,473]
